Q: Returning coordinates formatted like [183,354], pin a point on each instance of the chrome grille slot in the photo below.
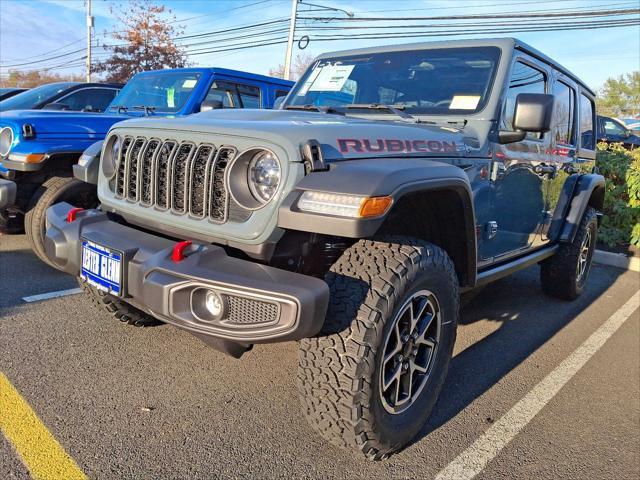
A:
[121,176]
[218,195]
[198,180]
[146,171]
[179,172]
[133,157]
[162,173]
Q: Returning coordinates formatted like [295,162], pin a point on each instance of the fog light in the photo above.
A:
[213,304]
[208,305]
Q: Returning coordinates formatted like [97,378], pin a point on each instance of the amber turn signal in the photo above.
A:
[375,206]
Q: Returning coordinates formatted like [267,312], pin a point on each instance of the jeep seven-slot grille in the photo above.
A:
[183,177]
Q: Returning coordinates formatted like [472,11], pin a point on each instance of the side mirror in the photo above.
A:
[627,133]
[56,106]
[277,103]
[211,105]
[533,113]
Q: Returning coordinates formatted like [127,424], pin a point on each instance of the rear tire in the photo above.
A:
[52,191]
[117,308]
[565,274]
[355,389]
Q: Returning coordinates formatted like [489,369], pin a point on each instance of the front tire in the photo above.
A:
[565,274]
[370,380]
[52,191]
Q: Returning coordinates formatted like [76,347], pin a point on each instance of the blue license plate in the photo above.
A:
[102,267]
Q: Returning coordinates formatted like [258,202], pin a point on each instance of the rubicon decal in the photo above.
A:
[346,145]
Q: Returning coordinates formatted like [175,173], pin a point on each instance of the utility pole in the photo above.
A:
[292,32]
[89,27]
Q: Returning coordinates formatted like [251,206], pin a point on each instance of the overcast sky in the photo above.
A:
[29,28]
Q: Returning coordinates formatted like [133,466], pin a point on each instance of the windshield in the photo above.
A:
[432,81]
[165,92]
[33,97]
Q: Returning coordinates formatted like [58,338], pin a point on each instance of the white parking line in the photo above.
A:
[475,458]
[47,296]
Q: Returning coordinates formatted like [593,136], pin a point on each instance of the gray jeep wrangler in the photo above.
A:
[390,180]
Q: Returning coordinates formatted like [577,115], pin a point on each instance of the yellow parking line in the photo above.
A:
[40,452]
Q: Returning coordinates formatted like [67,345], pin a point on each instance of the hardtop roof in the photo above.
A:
[225,71]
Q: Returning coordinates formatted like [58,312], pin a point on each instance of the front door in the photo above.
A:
[517,185]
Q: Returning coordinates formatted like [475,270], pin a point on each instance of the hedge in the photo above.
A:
[621,169]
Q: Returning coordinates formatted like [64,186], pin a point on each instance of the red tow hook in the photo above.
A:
[178,250]
[71,214]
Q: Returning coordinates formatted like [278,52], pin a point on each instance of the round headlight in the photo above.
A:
[6,141]
[110,157]
[263,175]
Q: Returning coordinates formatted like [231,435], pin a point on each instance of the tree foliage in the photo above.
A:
[298,67]
[33,78]
[620,97]
[144,41]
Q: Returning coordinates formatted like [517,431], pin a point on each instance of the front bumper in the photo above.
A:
[266,304]
[8,193]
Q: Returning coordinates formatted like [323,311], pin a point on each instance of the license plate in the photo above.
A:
[102,267]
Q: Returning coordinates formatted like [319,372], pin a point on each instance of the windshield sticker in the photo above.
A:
[331,78]
[464,102]
[189,83]
[171,103]
[309,82]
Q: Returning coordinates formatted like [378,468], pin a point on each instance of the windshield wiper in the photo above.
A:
[119,107]
[395,109]
[147,110]
[314,108]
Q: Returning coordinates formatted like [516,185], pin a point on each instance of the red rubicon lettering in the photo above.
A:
[346,144]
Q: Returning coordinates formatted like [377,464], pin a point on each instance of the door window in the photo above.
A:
[524,79]
[586,123]
[89,99]
[563,113]
[612,127]
[234,95]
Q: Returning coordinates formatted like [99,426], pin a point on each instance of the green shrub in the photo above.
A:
[621,169]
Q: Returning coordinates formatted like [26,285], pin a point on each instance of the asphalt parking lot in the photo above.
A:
[155,402]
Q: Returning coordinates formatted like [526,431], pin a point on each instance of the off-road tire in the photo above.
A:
[54,190]
[339,370]
[558,274]
[116,308]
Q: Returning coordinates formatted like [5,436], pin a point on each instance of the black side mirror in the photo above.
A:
[56,106]
[277,103]
[211,105]
[533,113]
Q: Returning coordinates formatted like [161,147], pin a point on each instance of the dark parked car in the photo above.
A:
[612,130]
[8,92]
[94,97]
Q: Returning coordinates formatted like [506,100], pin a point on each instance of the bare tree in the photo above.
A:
[300,65]
[144,41]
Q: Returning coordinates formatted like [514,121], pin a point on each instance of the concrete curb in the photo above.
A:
[617,260]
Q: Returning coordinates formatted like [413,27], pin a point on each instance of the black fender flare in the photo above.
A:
[375,178]
[579,192]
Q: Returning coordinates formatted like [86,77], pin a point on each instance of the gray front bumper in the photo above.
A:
[155,284]
[8,192]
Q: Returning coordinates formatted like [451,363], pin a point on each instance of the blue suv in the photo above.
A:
[39,148]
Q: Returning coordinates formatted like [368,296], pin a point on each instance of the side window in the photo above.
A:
[223,92]
[234,95]
[93,99]
[564,112]
[587,138]
[249,96]
[613,128]
[524,79]
[281,93]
